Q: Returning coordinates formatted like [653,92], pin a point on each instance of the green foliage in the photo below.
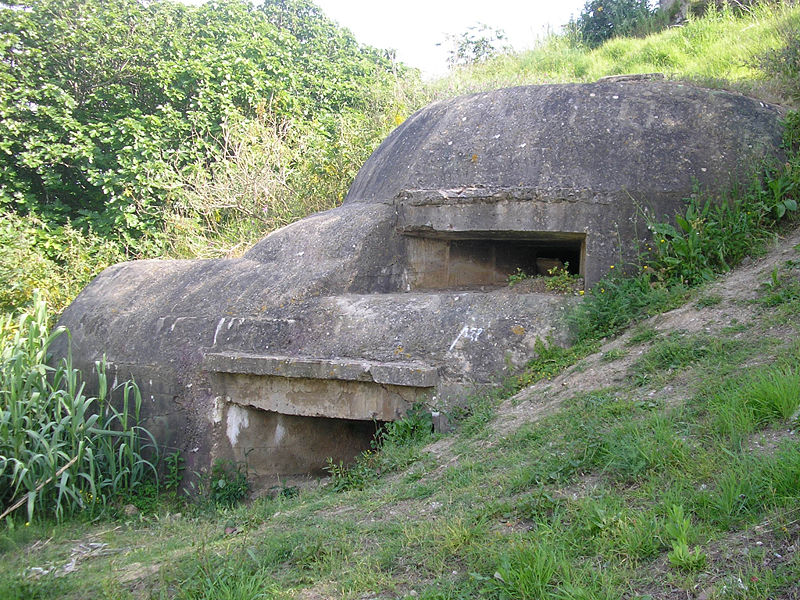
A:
[709,300]
[413,428]
[477,44]
[601,20]
[716,50]
[174,465]
[710,237]
[616,300]
[517,276]
[395,446]
[56,261]
[103,127]
[674,353]
[560,279]
[355,476]
[614,354]
[774,393]
[782,64]
[783,288]
[550,359]
[62,450]
[226,484]
[678,528]
[529,571]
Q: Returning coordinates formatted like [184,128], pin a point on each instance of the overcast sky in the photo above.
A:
[414,27]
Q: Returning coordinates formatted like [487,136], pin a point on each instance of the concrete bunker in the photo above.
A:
[292,353]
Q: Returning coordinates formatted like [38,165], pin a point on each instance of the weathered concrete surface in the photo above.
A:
[399,294]
[396,373]
[647,138]
[594,160]
[320,397]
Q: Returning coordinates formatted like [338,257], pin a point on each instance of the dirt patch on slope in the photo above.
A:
[736,291]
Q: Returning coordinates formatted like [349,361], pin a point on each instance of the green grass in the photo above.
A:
[613,495]
[720,49]
[615,492]
[61,451]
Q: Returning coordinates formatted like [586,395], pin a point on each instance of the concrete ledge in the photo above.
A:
[409,374]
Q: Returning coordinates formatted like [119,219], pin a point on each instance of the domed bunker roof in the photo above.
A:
[284,357]
[646,137]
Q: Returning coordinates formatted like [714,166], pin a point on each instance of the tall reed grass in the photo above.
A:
[62,451]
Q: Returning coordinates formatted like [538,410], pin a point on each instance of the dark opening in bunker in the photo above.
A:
[475,261]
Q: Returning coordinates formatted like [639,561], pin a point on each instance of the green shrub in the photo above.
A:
[783,64]
[601,20]
[226,485]
[395,446]
[57,261]
[97,128]
[61,450]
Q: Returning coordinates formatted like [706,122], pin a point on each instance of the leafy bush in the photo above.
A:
[61,451]
[226,485]
[96,129]
[604,19]
[56,261]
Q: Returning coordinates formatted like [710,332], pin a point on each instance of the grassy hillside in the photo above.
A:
[666,464]
[722,49]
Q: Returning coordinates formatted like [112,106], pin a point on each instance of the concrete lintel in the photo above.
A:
[468,195]
[408,374]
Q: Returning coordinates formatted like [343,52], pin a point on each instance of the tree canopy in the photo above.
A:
[102,101]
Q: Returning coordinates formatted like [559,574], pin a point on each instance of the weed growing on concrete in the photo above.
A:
[517,276]
[560,279]
[226,484]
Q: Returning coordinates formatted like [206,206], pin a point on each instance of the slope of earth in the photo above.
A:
[665,465]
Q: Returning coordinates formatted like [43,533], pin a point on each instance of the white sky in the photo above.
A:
[413,27]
